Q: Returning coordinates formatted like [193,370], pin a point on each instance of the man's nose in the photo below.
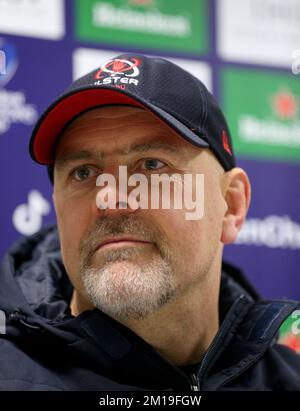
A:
[112,193]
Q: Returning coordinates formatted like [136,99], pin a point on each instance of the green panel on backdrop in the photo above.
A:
[263,112]
[155,24]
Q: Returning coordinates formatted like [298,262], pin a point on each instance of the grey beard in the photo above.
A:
[132,292]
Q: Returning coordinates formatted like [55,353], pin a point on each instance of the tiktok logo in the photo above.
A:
[28,218]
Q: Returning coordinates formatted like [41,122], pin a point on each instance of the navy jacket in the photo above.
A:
[46,348]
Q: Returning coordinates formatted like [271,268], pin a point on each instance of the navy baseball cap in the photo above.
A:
[172,94]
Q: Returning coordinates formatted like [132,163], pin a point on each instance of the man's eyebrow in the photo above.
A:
[154,145]
[65,159]
[162,145]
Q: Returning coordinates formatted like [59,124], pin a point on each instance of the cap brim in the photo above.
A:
[63,110]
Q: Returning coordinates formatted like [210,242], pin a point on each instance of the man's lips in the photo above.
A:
[121,242]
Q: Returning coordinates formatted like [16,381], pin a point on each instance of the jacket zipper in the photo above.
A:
[195,385]
[214,345]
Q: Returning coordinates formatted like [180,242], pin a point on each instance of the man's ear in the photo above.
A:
[237,194]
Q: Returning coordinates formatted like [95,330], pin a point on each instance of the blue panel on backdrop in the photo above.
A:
[269,245]
[38,71]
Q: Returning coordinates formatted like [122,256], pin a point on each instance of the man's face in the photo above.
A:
[160,255]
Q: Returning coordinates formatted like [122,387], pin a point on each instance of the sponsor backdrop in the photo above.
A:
[246,52]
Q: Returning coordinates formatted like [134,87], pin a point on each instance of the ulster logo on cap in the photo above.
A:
[118,72]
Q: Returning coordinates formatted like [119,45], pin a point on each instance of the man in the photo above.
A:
[124,295]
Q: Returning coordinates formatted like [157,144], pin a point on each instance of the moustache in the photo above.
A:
[109,226]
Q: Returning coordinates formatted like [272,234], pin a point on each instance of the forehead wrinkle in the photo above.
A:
[95,119]
[100,125]
[158,144]
[91,154]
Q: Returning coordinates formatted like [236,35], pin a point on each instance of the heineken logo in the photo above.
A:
[282,130]
[263,111]
[111,16]
[165,25]
[263,131]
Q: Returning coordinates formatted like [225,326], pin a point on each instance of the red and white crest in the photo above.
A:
[128,68]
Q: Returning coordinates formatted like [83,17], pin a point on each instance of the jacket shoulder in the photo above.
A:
[19,372]
[284,365]
[277,370]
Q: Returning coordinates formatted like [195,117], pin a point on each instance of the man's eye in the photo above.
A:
[152,164]
[82,173]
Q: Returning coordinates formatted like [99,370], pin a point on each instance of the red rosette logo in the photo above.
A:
[118,72]
[285,105]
